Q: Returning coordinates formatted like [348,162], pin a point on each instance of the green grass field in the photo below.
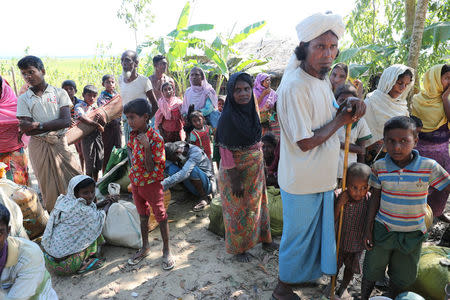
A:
[82,70]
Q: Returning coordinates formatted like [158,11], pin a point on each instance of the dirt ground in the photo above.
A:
[203,269]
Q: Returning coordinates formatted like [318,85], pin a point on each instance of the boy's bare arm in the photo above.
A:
[151,97]
[354,148]
[447,188]
[29,127]
[374,205]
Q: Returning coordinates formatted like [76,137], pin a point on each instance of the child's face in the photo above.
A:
[268,151]
[33,76]
[357,188]
[137,122]
[109,85]
[197,122]
[220,104]
[266,82]
[342,97]
[399,86]
[87,193]
[167,91]
[89,97]
[399,144]
[445,80]
[337,77]
[71,91]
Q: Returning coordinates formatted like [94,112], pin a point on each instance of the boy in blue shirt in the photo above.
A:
[396,218]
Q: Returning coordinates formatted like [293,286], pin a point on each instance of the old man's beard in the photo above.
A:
[126,74]
[324,71]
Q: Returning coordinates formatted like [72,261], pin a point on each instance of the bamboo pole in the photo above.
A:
[14,80]
[341,213]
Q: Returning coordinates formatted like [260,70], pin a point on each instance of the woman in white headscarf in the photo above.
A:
[386,102]
[72,238]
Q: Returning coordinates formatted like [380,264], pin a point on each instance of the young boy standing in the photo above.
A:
[112,136]
[44,114]
[92,143]
[71,88]
[396,218]
[146,173]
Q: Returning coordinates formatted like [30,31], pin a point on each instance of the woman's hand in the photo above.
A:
[445,94]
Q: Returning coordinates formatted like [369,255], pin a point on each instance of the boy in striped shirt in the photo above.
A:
[396,218]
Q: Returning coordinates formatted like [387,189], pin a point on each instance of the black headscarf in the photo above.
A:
[239,126]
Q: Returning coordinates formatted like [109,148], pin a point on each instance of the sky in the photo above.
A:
[61,28]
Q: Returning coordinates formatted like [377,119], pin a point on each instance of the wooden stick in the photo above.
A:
[14,80]
[341,213]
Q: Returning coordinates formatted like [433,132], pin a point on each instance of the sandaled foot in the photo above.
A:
[90,265]
[168,262]
[200,206]
[243,257]
[444,218]
[138,256]
[284,292]
[270,247]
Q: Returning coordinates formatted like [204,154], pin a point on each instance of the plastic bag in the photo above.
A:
[275,210]
[122,225]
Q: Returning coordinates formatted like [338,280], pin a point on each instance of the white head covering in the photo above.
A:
[309,29]
[380,106]
[317,24]
[73,225]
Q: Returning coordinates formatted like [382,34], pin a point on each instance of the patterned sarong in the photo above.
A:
[246,219]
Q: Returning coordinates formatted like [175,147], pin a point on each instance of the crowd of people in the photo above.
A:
[292,138]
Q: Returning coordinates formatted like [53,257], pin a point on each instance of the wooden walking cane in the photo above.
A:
[14,80]
[341,213]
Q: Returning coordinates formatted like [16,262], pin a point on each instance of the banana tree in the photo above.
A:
[226,58]
[178,45]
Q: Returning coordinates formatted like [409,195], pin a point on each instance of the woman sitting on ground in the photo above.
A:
[242,183]
[432,106]
[202,95]
[22,266]
[386,102]
[72,239]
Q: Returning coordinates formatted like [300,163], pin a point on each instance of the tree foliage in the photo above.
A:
[380,37]
[136,13]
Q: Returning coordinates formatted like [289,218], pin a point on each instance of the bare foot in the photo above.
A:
[284,292]
[243,257]
[444,218]
[270,247]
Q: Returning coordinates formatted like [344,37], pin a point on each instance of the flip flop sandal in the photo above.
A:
[200,206]
[166,265]
[91,265]
[137,260]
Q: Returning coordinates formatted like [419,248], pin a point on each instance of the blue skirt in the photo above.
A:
[308,246]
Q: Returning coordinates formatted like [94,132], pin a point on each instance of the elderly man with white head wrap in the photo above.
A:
[309,118]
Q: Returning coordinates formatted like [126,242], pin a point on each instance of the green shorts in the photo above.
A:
[399,251]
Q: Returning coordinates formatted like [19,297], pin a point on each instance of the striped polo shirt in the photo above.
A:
[404,191]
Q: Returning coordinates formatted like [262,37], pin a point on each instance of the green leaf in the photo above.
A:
[246,32]
[247,64]
[199,27]
[435,34]
[347,54]
[184,16]
[212,55]
[217,43]
[357,70]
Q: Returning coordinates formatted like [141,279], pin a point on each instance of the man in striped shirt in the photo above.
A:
[396,219]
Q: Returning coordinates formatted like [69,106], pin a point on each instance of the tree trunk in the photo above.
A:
[410,10]
[416,41]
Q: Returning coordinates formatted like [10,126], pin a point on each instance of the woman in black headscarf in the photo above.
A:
[242,182]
